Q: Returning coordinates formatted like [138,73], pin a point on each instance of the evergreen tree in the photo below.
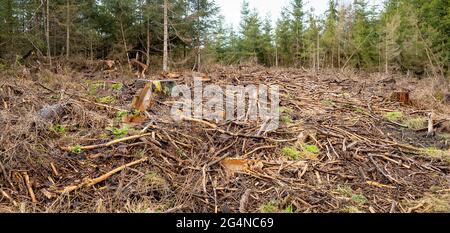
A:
[297,30]
[329,40]
[283,39]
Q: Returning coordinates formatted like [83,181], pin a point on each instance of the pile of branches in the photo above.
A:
[333,152]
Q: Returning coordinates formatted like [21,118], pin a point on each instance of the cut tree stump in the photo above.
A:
[401,97]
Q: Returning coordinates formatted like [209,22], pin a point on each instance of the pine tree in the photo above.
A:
[251,33]
[389,45]
[329,40]
[267,48]
[311,34]
[363,37]
[297,30]
[283,39]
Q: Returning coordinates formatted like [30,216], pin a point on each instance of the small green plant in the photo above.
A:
[360,110]
[287,119]
[291,152]
[270,207]
[344,190]
[289,209]
[119,132]
[393,116]
[153,178]
[359,199]
[93,88]
[117,86]
[121,114]
[107,99]
[328,102]
[416,123]
[61,129]
[77,149]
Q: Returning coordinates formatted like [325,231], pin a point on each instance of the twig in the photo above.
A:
[55,172]
[173,209]
[257,149]
[384,173]
[108,144]
[92,182]
[30,189]
[8,197]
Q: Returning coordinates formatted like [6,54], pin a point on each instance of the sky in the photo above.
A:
[231,9]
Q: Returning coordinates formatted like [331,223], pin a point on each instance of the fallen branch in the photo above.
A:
[91,182]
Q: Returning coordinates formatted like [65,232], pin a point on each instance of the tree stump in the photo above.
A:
[401,97]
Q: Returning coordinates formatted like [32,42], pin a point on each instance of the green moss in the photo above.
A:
[393,116]
[352,210]
[287,119]
[360,110]
[153,178]
[359,199]
[443,136]
[117,86]
[439,96]
[328,102]
[291,152]
[311,148]
[436,153]
[107,99]
[431,204]
[345,190]
[93,88]
[270,207]
[416,123]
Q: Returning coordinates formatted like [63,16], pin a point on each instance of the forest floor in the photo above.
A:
[342,146]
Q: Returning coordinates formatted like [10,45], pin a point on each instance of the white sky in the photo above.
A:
[231,9]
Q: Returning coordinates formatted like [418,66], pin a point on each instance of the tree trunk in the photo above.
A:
[148,42]
[318,51]
[125,43]
[68,31]
[47,32]
[166,38]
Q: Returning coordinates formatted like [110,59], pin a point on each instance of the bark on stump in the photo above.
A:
[401,97]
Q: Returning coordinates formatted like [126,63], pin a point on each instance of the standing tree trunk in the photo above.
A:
[166,38]
[148,42]
[318,51]
[47,32]
[125,43]
[68,31]
[276,55]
